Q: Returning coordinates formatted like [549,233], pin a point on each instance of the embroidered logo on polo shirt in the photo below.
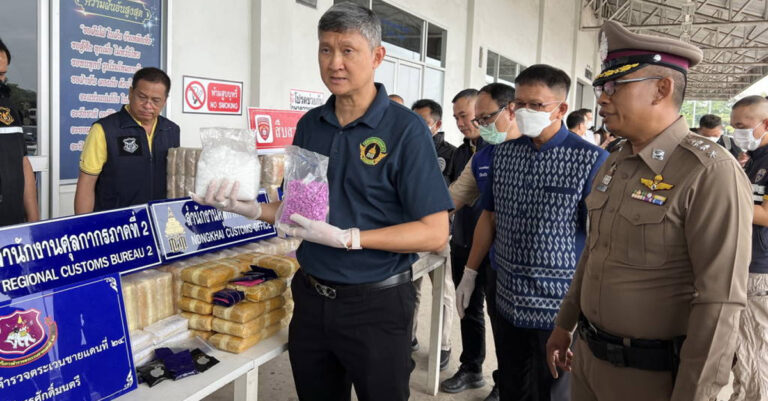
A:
[760,175]
[129,146]
[373,150]
[5,116]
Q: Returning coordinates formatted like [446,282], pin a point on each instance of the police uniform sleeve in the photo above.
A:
[718,227]
[94,153]
[421,187]
[464,189]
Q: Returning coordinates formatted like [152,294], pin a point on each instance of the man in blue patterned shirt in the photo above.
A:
[534,215]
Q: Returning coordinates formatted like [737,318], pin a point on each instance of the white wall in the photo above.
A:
[220,50]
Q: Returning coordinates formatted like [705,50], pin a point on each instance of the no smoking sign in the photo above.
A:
[212,96]
[194,95]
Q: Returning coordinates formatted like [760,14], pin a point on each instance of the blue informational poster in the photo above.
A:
[102,44]
[49,254]
[185,227]
[67,344]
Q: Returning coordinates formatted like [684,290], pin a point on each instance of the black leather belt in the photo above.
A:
[654,355]
[333,290]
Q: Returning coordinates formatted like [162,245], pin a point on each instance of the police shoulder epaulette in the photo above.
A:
[619,146]
[704,149]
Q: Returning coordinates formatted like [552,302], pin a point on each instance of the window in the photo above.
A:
[414,67]
[402,33]
[436,40]
[501,69]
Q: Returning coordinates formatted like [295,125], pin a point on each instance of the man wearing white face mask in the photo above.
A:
[432,114]
[535,217]
[711,127]
[749,117]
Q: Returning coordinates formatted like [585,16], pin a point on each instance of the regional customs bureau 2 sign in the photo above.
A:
[46,255]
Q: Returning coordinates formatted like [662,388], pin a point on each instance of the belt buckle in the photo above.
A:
[325,291]
[615,354]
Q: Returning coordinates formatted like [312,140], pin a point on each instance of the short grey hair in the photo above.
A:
[346,17]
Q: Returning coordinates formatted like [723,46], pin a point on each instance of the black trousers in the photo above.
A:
[362,340]
[473,324]
[522,366]
[490,300]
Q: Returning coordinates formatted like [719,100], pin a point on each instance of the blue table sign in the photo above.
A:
[66,344]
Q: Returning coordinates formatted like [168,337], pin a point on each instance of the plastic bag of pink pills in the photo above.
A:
[305,189]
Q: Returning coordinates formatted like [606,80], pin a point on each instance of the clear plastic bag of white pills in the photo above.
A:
[229,154]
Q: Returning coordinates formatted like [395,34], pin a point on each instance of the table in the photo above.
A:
[243,368]
[428,263]
[240,368]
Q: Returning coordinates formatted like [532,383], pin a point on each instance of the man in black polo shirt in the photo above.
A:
[18,192]
[354,297]
[470,373]
[432,114]
[711,127]
[125,154]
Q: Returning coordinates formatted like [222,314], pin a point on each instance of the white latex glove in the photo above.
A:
[216,195]
[323,233]
[464,290]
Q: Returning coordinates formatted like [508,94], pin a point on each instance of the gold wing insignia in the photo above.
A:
[647,182]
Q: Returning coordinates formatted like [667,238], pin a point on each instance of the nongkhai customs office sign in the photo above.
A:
[185,227]
[42,256]
[102,44]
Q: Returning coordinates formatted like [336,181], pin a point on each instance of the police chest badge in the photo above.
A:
[129,146]
[5,116]
[23,337]
[372,151]
[760,175]
[654,184]
[441,163]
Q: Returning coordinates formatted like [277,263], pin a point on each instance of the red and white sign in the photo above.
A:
[274,128]
[212,96]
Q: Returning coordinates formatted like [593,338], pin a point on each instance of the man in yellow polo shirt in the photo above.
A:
[124,158]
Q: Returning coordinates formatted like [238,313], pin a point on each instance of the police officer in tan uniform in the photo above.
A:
[661,284]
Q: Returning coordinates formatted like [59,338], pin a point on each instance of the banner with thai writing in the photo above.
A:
[185,227]
[102,44]
[68,344]
[49,254]
[275,128]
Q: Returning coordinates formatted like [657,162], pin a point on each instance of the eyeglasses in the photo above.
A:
[534,106]
[155,102]
[485,121]
[609,88]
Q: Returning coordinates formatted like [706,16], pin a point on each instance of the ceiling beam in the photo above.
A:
[694,25]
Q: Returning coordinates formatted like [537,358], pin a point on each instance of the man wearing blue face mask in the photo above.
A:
[749,119]
[535,217]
